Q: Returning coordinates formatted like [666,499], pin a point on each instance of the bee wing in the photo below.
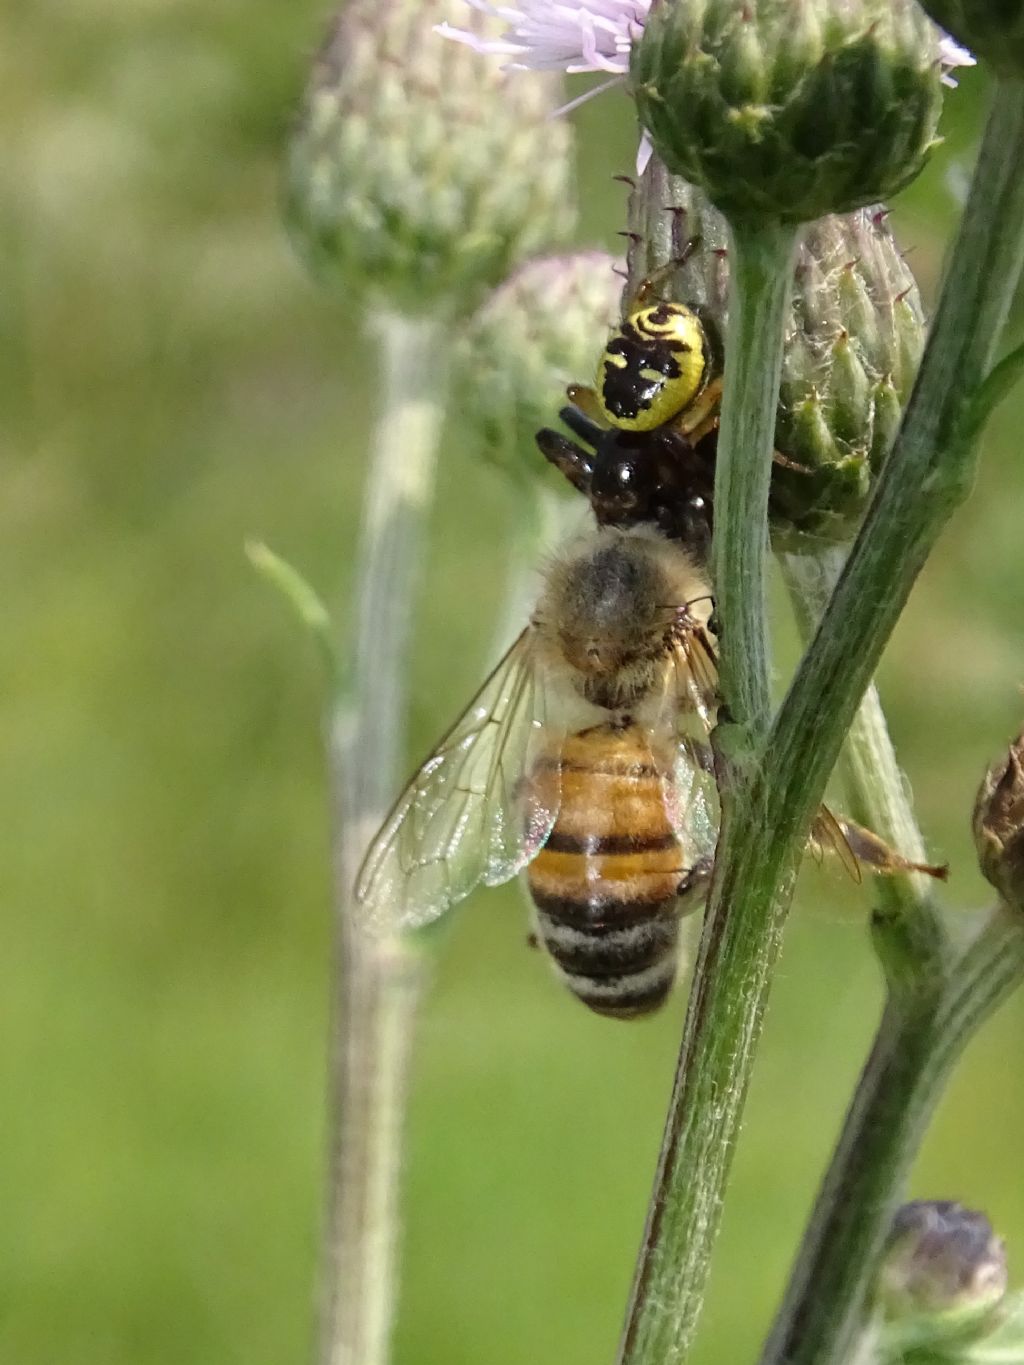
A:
[685,764]
[691,800]
[467,816]
[695,675]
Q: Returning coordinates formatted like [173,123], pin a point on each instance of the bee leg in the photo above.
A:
[871,850]
[695,881]
[568,458]
[703,754]
[532,941]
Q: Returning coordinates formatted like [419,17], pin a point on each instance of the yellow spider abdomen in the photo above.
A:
[653,367]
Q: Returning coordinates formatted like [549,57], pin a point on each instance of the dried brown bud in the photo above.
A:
[999,824]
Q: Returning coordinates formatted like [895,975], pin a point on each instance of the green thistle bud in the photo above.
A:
[418,170]
[853,343]
[860,327]
[543,327]
[942,1275]
[999,824]
[787,109]
[994,29]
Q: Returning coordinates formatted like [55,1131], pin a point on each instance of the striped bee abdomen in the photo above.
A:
[605,884]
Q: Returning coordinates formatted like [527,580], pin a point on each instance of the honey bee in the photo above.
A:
[572,762]
[584,759]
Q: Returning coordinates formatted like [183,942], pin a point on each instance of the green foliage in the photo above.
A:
[171,385]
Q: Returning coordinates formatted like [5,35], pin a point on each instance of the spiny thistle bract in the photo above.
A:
[994,29]
[853,342]
[790,109]
[418,170]
[544,326]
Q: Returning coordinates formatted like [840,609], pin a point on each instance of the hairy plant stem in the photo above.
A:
[933,1004]
[922,1034]
[877,792]
[377,980]
[735,957]
[767,814]
[760,279]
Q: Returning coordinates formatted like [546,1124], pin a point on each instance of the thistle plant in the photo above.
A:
[392,198]
[854,334]
[767,126]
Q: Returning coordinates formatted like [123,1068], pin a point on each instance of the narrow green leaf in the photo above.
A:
[301,596]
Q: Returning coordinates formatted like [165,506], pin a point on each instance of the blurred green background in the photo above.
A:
[171,382]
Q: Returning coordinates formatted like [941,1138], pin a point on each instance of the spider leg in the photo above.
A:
[585,398]
[786,463]
[581,424]
[702,416]
[568,458]
[648,288]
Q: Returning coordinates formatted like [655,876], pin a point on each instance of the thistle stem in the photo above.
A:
[927,474]
[874,780]
[761,276]
[826,1308]
[766,815]
[736,955]
[377,980]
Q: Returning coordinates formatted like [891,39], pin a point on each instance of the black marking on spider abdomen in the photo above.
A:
[637,366]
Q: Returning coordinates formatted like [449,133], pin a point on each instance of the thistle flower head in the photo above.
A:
[994,29]
[788,109]
[542,327]
[999,824]
[943,1272]
[578,36]
[418,170]
[593,35]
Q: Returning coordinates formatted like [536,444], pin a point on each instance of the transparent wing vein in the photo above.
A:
[467,816]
